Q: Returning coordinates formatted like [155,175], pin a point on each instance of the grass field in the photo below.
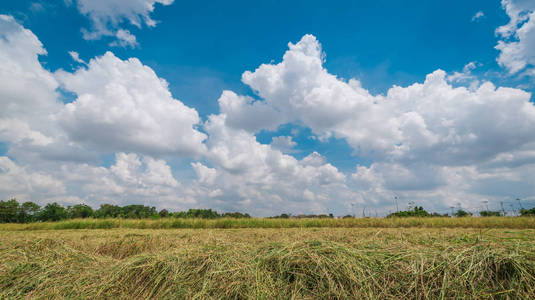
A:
[167,223]
[336,262]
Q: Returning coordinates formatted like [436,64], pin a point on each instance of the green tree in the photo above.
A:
[108,211]
[9,211]
[80,211]
[164,213]
[28,212]
[489,213]
[53,212]
[418,211]
[527,212]
[462,213]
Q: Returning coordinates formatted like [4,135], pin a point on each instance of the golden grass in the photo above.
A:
[298,263]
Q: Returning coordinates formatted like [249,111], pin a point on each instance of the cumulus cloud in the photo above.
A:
[518,37]
[122,105]
[107,17]
[245,113]
[260,178]
[25,185]
[283,143]
[431,120]
[131,179]
[428,140]
[25,113]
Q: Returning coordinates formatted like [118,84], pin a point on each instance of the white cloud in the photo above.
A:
[518,37]
[283,143]
[245,113]
[76,57]
[124,38]
[131,179]
[25,185]
[432,121]
[123,105]
[107,17]
[465,76]
[478,15]
[261,179]
[25,113]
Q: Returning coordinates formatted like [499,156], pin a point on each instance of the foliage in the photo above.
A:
[164,213]
[418,211]
[208,214]
[235,215]
[9,211]
[108,211]
[489,213]
[527,212]
[53,212]
[12,212]
[303,216]
[80,211]
[462,213]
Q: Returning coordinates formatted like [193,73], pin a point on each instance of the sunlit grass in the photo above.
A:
[295,263]
[165,223]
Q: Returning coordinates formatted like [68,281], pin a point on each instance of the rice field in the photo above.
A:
[338,260]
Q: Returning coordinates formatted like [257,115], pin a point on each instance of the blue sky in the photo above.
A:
[201,49]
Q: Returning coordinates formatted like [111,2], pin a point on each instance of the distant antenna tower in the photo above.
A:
[519,203]
[512,209]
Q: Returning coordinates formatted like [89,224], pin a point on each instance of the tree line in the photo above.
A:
[11,211]
[421,212]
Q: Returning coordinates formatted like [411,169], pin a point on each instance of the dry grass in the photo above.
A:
[300,263]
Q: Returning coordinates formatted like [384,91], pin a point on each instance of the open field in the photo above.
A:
[166,223]
[267,263]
